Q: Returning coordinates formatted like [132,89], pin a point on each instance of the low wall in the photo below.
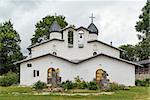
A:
[142,76]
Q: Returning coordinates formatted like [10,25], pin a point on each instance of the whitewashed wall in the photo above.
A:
[119,72]
[55,35]
[74,53]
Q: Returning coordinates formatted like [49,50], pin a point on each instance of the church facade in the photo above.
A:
[72,52]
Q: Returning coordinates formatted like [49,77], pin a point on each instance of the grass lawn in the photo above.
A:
[26,93]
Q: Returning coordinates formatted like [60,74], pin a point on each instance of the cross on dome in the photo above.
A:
[92,17]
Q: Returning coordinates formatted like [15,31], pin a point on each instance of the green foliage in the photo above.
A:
[67,85]
[12,89]
[115,86]
[129,53]
[83,85]
[39,85]
[25,93]
[9,79]
[79,83]
[138,52]
[92,85]
[9,48]
[145,82]
[43,26]
[141,50]
[143,25]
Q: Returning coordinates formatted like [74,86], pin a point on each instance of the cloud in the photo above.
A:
[114,19]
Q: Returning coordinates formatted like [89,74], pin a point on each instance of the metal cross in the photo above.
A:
[92,17]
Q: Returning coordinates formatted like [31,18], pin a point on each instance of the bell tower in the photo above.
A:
[93,31]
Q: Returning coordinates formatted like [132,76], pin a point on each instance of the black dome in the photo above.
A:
[55,27]
[93,29]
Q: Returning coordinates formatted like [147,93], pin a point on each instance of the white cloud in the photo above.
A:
[114,19]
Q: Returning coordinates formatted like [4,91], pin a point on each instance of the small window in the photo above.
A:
[70,39]
[35,73]
[54,53]
[29,65]
[94,53]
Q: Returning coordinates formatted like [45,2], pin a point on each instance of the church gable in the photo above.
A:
[74,51]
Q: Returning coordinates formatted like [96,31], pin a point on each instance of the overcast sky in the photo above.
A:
[114,19]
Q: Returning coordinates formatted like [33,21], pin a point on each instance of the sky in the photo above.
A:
[115,19]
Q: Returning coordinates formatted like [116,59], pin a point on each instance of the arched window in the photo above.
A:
[94,53]
[81,39]
[70,39]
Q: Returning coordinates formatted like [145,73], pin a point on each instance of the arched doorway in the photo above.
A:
[53,76]
[101,79]
[99,75]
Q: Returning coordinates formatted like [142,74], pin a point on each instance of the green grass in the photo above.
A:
[26,93]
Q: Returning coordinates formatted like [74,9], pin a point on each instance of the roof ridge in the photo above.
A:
[78,62]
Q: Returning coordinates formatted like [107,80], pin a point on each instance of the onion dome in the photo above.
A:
[55,27]
[93,29]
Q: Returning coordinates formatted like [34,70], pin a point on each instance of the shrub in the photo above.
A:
[9,79]
[92,85]
[79,83]
[144,82]
[39,85]
[67,85]
[116,86]
[82,85]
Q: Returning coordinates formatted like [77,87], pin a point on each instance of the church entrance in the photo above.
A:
[53,77]
[101,79]
[99,75]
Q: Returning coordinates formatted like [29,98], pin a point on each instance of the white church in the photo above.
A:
[73,52]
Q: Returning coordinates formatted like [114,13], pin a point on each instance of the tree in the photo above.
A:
[43,26]
[129,53]
[141,50]
[143,25]
[9,48]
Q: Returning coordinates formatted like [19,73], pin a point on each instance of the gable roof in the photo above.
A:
[37,44]
[75,28]
[105,44]
[80,61]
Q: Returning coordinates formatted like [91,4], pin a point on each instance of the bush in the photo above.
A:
[116,86]
[144,82]
[92,85]
[39,85]
[79,83]
[67,85]
[9,79]
[82,85]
